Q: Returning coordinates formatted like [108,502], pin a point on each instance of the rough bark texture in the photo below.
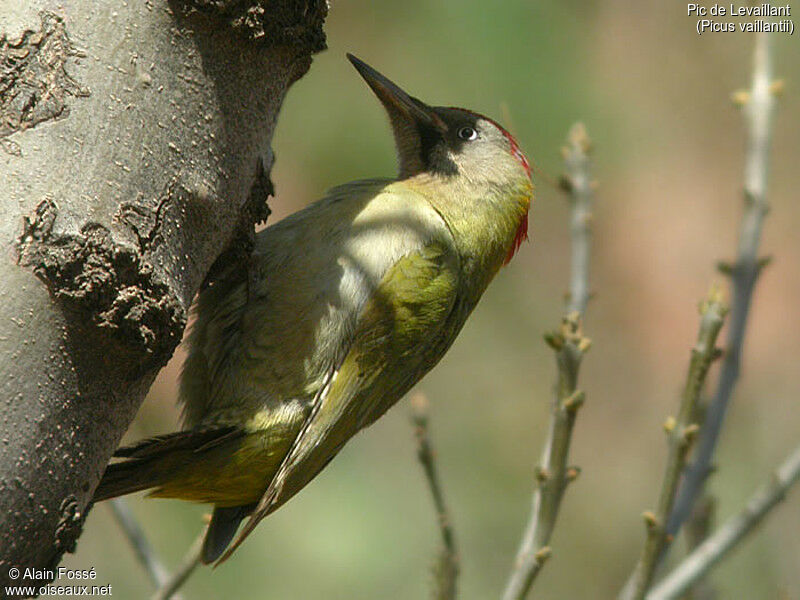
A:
[134,151]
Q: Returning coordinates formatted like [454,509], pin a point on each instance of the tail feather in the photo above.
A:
[193,439]
[125,478]
[223,526]
[154,462]
[147,463]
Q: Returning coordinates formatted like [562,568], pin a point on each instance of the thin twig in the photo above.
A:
[166,585]
[144,551]
[190,561]
[680,433]
[446,568]
[578,183]
[697,529]
[758,105]
[700,523]
[570,345]
[710,552]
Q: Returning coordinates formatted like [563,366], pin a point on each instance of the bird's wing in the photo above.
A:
[273,341]
[398,338]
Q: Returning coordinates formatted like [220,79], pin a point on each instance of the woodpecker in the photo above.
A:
[348,304]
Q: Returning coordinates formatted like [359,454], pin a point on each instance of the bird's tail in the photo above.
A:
[126,478]
[151,462]
[221,529]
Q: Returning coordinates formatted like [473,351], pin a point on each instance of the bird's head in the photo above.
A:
[453,143]
[444,140]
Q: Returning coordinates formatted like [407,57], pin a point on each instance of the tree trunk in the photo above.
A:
[134,153]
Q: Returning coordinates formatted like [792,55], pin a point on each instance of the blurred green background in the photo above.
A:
[668,156]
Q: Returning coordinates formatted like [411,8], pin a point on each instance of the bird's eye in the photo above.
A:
[467,133]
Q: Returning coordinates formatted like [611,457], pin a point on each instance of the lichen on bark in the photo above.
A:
[269,22]
[34,83]
[100,281]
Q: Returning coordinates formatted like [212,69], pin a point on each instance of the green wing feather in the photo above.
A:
[402,332]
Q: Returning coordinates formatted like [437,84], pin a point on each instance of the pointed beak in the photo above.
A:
[394,99]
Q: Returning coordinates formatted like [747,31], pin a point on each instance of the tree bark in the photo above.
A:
[134,155]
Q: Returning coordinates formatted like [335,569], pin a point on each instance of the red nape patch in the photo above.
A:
[517,153]
[519,237]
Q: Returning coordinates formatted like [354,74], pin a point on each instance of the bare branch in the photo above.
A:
[681,433]
[166,585]
[578,182]
[169,588]
[446,568]
[697,529]
[569,344]
[145,553]
[714,549]
[758,105]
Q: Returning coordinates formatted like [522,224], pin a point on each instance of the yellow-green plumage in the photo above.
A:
[347,304]
[260,362]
